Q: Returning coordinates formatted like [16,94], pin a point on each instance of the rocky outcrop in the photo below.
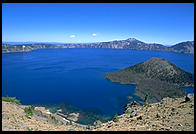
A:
[15,119]
[73,116]
[131,108]
[70,117]
[168,115]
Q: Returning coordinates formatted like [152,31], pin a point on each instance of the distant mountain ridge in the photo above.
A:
[131,43]
[186,47]
[135,44]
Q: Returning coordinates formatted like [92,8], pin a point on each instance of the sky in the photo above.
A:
[164,23]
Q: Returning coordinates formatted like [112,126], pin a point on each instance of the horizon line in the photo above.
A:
[87,42]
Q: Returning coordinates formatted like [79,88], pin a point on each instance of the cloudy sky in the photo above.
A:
[83,22]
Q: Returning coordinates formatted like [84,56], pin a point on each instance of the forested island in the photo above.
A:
[156,77]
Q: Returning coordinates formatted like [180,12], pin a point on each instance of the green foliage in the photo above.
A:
[128,112]
[146,104]
[157,76]
[36,129]
[116,118]
[29,129]
[146,97]
[28,111]
[11,99]
[53,118]
[146,100]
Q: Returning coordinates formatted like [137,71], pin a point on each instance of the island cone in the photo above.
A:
[157,77]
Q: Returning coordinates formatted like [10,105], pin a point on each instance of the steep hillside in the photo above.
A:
[171,114]
[157,68]
[185,47]
[14,118]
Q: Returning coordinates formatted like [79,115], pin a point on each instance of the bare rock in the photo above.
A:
[73,116]
[4,117]
[139,118]
[71,129]
[133,113]
[59,111]
[97,123]
[158,116]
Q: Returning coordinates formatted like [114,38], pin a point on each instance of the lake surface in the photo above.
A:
[77,76]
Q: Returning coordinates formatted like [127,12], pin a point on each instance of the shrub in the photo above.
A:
[116,118]
[128,112]
[89,126]
[28,111]
[146,100]
[29,129]
[11,99]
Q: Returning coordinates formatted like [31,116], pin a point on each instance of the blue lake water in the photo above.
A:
[76,76]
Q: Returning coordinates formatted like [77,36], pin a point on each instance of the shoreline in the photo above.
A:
[32,47]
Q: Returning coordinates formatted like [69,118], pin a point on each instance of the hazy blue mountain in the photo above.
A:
[131,43]
[185,47]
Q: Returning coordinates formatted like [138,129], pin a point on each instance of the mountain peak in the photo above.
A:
[159,68]
[156,59]
[131,39]
[163,70]
[157,62]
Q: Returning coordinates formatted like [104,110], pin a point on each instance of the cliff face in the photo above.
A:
[156,77]
[131,43]
[29,47]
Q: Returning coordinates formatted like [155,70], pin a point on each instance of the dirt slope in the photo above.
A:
[167,115]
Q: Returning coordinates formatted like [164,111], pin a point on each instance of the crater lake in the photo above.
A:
[77,76]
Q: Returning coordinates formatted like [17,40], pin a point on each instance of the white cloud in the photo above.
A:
[72,36]
[94,34]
